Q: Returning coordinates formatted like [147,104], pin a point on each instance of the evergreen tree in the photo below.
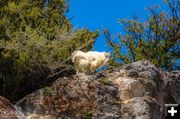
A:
[35,38]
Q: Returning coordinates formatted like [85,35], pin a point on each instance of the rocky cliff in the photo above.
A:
[138,90]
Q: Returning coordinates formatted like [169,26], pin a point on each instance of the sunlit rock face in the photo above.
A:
[138,90]
[36,116]
[80,96]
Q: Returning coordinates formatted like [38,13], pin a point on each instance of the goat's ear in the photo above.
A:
[107,54]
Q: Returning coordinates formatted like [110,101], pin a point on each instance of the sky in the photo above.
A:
[99,14]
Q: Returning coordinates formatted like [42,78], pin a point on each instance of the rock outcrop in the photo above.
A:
[138,90]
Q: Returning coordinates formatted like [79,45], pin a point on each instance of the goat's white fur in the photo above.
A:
[89,61]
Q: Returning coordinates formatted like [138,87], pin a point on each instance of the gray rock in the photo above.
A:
[138,90]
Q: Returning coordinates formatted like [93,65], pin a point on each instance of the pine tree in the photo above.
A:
[35,38]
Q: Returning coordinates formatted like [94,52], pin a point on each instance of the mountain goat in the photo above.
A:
[89,61]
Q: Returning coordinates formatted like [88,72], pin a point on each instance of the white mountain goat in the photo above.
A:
[89,61]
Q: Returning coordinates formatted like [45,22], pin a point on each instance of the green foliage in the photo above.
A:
[47,91]
[105,81]
[87,115]
[156,40]
[34,35]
